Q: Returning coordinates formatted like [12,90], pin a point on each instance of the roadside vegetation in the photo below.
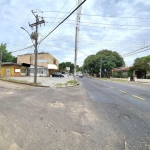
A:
[110,59]
[68,83]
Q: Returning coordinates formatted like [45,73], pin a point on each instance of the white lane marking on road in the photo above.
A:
[138,97]
[122,91]
[111,87]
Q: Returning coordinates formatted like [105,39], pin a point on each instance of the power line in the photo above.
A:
[66,36]
[54,28]
[104,16]
[63,48]
[17,47]
[135,51]
[99,23]
[108,42]
[21,49]
[57,15]
[63,21]
[107,27]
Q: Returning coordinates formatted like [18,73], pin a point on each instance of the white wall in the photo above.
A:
[141,80]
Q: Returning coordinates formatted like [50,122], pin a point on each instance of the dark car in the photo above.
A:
[57,74]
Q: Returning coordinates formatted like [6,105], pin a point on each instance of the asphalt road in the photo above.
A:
[125,108]
[92,116]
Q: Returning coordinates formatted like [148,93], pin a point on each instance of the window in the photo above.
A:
[40,70]
[17,70]
[31,70]
[23,70]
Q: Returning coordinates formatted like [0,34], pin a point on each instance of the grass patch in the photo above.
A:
[117,80]
[68,83]
[61,84]
[72,82]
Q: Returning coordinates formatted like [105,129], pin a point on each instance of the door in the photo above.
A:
[8,72]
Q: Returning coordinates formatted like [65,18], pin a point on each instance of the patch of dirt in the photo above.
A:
[14,147]
[9,85]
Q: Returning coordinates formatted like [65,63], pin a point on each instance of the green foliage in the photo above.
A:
[130,73]
[7,56]
[142,64]
[119,74]
[63,65]
[110,60]
[79,69]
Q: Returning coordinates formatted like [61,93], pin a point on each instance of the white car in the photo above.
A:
[80,75]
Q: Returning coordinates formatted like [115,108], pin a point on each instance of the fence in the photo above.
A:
[141,80]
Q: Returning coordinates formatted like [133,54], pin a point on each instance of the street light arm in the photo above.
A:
[28,34]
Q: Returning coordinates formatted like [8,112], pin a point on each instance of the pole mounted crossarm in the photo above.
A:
[37,23]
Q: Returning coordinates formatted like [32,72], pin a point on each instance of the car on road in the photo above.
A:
[57,74]
[81,75]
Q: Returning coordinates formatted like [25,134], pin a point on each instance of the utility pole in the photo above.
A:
[77,37]
[34,36]
[100,67]
[1,59]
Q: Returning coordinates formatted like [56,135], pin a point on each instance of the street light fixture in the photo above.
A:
[35,36]
[28,34]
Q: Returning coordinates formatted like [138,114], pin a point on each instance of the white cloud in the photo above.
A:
[92,37]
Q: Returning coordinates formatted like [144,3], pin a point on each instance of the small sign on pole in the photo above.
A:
[67,68]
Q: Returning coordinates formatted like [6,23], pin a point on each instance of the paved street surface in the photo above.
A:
[96,115]
[125,108]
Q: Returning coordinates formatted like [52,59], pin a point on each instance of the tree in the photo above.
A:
[142,64]
[7,56]
[110,60]
[63,65]
[88,65]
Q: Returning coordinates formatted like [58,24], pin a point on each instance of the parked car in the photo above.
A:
[57,74]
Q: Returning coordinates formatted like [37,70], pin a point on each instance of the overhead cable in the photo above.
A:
[63,20]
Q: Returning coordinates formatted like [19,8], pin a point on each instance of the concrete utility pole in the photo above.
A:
[35,37]
[100,67]
[1,53]
[77,37]
[35,59]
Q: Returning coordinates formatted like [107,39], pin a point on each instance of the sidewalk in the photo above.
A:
[44,81]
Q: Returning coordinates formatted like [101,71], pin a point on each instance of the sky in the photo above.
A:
[117,25]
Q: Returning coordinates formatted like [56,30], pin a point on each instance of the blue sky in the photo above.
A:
[126,30]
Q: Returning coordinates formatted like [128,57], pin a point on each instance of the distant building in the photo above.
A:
[14,69]
[45,60]
[120,71]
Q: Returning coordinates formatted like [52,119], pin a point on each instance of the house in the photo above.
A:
[14,69]
[141,74]
[120,72]
[44,60]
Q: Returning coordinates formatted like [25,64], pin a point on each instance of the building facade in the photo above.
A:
[13,69]
[44,60]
